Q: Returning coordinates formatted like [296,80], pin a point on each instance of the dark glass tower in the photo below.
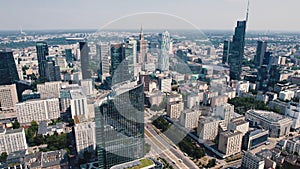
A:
[69,56]
[226,50]
[120,125]
[237,51]
[260,53]
[119,64]
[102,50]
[52,71]
[42,52]
[8,69]
[117,56]
[268,59]
[84,57]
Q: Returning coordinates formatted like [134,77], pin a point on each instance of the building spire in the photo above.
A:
[247,14]
[141,33]
[142,29]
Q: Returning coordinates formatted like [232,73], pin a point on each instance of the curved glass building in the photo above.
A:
[120,125]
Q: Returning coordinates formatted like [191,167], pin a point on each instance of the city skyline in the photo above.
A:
[61,15]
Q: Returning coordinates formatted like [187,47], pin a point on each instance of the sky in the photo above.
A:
[264,15]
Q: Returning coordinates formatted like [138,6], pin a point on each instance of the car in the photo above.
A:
[185,154]
[173,162]
[267,143]
[180,160]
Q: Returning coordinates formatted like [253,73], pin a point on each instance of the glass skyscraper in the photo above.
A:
[69,55]
[119,63]
[237,51]
[52,70]
[103,54]
[163,59]
[226,50]
[260,53]
[84,58]
[131,56]
[42,51]
[120,125]
[8,69]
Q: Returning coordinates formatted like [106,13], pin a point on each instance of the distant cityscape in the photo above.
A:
[150,99]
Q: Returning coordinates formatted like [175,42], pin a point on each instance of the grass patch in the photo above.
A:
[144,163]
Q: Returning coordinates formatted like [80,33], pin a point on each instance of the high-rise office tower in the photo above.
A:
[69,55]
[52,71]
[119,63]
[117,56]
[236,52]
[268,59]
[120,125]
[131,55]
[260,53]
[226,50]
[164,56]
[103,54]
[42,51]
[142,46]
[84,57]
[8,69]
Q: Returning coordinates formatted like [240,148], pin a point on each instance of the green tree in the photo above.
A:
[3,157]
[211,163]
[16,125]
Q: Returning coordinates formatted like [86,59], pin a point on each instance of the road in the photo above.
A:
[166,147]
[235,164]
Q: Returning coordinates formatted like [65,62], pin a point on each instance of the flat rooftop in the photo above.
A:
[268,115]
[231,133]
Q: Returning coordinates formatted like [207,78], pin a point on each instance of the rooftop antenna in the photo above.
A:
[247,14]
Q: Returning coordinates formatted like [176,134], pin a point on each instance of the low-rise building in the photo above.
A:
[242,87]
[174,109]
[189,118]
[268,155]
[12,140]
[254,138]
[37,110]
[239,124]
[293,111]
[251,161]
[277,124]
[79,104]
[85,138]
[49,90]
[165,84]
[208,128]
[278,105]
[47,160]
[44,129]
[219,100]
[230,142]
[8,100]
[225,112]
[286,95]
[155,98]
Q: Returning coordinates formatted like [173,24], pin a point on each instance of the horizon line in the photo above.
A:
[131,29]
